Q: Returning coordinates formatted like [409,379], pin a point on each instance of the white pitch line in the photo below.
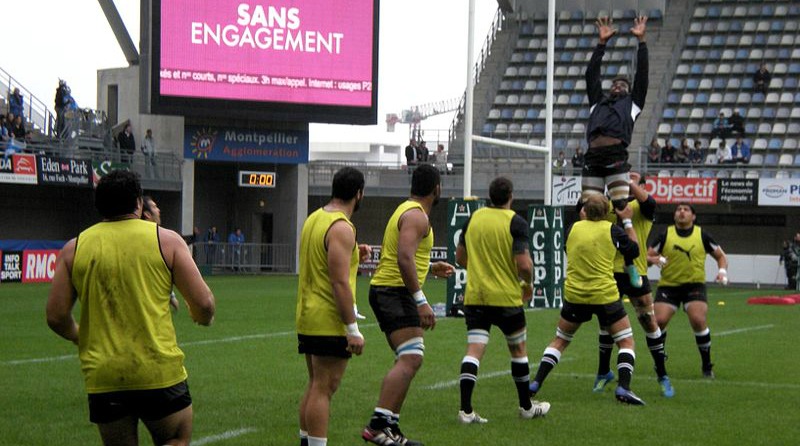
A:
[183,344]
[227,435]
[742,330]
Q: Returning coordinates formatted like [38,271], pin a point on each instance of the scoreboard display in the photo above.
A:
[251,178]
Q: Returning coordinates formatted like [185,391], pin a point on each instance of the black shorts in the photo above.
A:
[626,289]
[509,320]
[394,307]
[147,405]
[606,314]
[681,294]
[601,162]
[323,346]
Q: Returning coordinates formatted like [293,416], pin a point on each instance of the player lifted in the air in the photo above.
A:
[612,117]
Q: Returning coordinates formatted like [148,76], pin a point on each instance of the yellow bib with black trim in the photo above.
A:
[127,340]
[388,271]
[686,258]
[491,269]
[590,264]
[317,313]
[642,226]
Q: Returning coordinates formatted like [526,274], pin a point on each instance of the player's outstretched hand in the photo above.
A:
[442,269]
[604,29]
[639,27]
[426,317]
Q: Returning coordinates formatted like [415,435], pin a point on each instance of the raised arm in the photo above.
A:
[641,80]
[594,87]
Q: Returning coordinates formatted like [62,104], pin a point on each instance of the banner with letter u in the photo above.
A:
[546,234]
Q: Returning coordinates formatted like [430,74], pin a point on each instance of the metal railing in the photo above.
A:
[244,258]
[36,112]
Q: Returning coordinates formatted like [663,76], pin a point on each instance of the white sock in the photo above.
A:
[317,441]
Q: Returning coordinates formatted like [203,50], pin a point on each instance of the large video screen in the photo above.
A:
[304,60]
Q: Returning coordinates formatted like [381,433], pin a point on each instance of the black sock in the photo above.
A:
[549,360]
[304,442]
[626,359]
[469,375]
[606,348]
[522,375]
[381,419]
[656,346]
[703,340]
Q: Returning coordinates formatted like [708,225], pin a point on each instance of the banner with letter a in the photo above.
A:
[546,233]
[458,212]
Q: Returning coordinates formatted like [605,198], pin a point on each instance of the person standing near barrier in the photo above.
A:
[149,151]
[590,289]
[132,366]
[643,208]
[327,330]
[493,247]
[680,251]
[400,305]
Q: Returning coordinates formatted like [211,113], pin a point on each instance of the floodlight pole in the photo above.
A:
[468,102]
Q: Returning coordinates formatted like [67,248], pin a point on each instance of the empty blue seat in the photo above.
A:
[541,85]
[529,57]
[678,128]
[774,144]
[742,54]
[673,98]
[517,85]
[713,11]
[783,53]
[560,144]
[771,160]
[715,54]
[751,68]
[655,14]
[583,113]
[719,40]
[507,113]
[719,83]
[758,97]
[584,42]
[625,28]
[569,84]
[692,84]
[488,128]
[750,128]
[629,14]
[576,15]
[747,83]
[797,160]
[767,10]
[797,98]
[769,112]
[790,82]
[576,99]
[612,70]
[668,113]
[532,113]
[760,39]
[736,26]
[711,112]
[776,26]
[559,42]
[692,40]
[701,98]
[794,68]
[697,69]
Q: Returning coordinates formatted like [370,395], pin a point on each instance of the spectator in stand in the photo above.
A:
[761,79]
[411,155]
[422,152]
[654,152]
[696,153]
[682,155]
[577,161]
[721,129]
[668,153]
[4,134]
[559,164]
[127,144]
[16,103]
[737,123]
[740,151]
[440,159]
[63,103]
[724,153]
[18,128]
[149,151]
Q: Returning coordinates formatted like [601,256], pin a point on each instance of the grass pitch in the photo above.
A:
[246,378]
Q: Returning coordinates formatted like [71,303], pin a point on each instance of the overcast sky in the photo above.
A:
[423,54]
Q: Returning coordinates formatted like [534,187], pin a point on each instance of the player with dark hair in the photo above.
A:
[680,251]
[612,118]
[590,289]
[132,366]
[643,207]
[327,331]
[399,303]
[493,247]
